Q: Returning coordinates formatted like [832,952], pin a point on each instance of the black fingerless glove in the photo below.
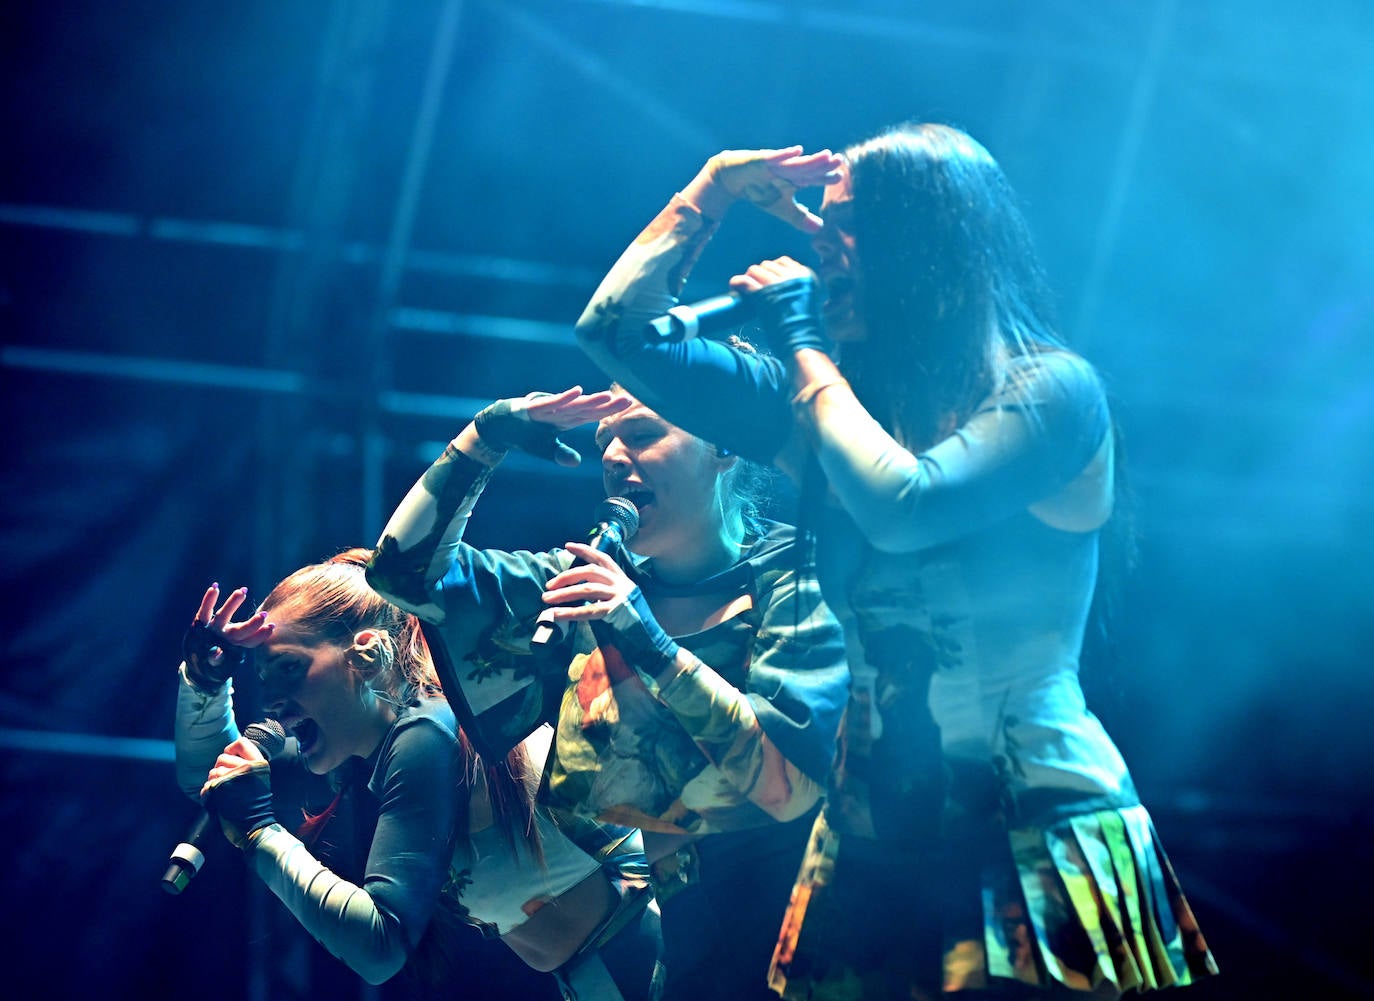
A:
[210,658]
[790,315]
[242,801]
[502,426]
[631,628]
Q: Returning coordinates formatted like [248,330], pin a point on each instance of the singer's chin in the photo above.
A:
[842,324]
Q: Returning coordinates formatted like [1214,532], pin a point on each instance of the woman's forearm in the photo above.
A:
[203,726]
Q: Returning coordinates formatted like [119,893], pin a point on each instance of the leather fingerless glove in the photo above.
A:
[502,425]
[790,314]
[210,658]
[242,800]
[631,628]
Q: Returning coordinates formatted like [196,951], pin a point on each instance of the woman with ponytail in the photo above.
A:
[457,840]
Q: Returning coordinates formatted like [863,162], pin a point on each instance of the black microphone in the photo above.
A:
[617,521]
[187,857]
[709,316]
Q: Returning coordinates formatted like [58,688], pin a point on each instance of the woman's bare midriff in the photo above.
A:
[554,933]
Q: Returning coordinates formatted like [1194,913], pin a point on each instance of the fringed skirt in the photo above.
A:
[1087,903]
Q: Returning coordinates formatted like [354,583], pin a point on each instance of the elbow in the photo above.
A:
[590,334]
[376,575]
[379,967]
[786,794]
[387,578]
[906,525]
[891,535]
[598,328]
[378,974]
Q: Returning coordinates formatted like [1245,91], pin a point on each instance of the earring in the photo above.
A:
[375,654]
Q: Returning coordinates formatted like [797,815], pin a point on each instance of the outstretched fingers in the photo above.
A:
[206,610]
[572,408]
[809,170]
[226,611]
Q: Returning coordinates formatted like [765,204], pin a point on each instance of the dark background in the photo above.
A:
[260,260]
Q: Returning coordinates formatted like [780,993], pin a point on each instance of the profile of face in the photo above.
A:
[839,262]
[671,476]
[315,689]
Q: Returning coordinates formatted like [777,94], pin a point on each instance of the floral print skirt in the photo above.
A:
[1088,903]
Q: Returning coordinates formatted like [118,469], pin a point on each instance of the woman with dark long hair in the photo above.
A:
[956,467]
[442,838]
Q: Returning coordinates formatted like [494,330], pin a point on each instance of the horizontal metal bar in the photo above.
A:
[189,373]
[503,328]
[212,232]
[77,220]
[431,405]
[826,19]
[87,745]
[459,409]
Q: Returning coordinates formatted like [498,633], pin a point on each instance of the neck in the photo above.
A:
[381,723]
[720,553]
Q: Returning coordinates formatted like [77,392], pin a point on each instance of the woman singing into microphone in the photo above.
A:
[696,694]
[422,839]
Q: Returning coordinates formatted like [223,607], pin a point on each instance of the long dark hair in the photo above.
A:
[951,284]
[951,291]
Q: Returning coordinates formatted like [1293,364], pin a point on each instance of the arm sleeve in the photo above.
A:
[424,537]
[774,741]
[1023,444]
[373,928]
[203,726]
[423,565]
[711,389]
[480,606]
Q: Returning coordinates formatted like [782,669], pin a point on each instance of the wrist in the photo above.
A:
[259,834]
[808,393]
[200,685]
[471,443]
[789,311]
[631,628]
[707,195]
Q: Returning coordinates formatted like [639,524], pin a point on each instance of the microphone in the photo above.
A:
[187,857]
[708,316]
[617,521]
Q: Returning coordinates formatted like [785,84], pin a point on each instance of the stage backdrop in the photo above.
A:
[261,260]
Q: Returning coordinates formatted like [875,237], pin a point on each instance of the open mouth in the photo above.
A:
[307,734]
[638,496]
[838,289]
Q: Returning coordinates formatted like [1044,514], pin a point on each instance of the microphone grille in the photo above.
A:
[269,735]
[621,512]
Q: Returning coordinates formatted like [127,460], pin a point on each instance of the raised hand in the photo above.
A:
[766,178]
[214,646]
[532,423]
